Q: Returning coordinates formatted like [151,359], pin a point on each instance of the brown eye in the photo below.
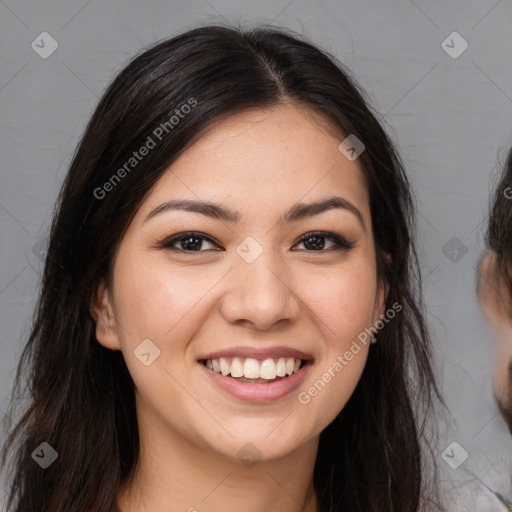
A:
[191,241]
[315,242]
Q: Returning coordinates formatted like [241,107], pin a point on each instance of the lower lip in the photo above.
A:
[258,393]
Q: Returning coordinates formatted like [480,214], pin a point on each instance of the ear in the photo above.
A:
[381,296]
[102,311]
[380,300]
[492,295]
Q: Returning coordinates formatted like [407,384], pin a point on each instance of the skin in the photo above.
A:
[259,163]
[495,301]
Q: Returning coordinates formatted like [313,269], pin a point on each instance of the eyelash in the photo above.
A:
[340,243]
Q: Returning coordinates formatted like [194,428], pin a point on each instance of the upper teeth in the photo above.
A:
[253,369]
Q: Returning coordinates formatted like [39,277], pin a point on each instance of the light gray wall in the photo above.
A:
[451,116]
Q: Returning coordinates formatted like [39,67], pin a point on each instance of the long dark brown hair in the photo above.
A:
[80,394]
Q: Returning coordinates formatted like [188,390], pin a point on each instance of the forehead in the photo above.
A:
[274,156]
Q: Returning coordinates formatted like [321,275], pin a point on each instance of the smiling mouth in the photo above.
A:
[255,371]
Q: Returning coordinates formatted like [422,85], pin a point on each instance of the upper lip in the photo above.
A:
[257,353]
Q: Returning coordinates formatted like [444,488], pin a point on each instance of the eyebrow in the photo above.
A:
[297,212]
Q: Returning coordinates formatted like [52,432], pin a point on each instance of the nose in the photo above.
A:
[260,294]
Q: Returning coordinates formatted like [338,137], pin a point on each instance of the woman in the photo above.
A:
[233,230]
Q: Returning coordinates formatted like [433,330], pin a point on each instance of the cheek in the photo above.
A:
[157,304]
[343,301]
[343,308]
[153,301]
[501,379]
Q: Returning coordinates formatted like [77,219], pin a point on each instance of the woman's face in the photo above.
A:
[245,292]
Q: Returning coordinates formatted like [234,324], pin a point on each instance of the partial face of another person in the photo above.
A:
[496,302]
[257,286]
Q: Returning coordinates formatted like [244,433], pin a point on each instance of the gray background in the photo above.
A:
[452,118]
